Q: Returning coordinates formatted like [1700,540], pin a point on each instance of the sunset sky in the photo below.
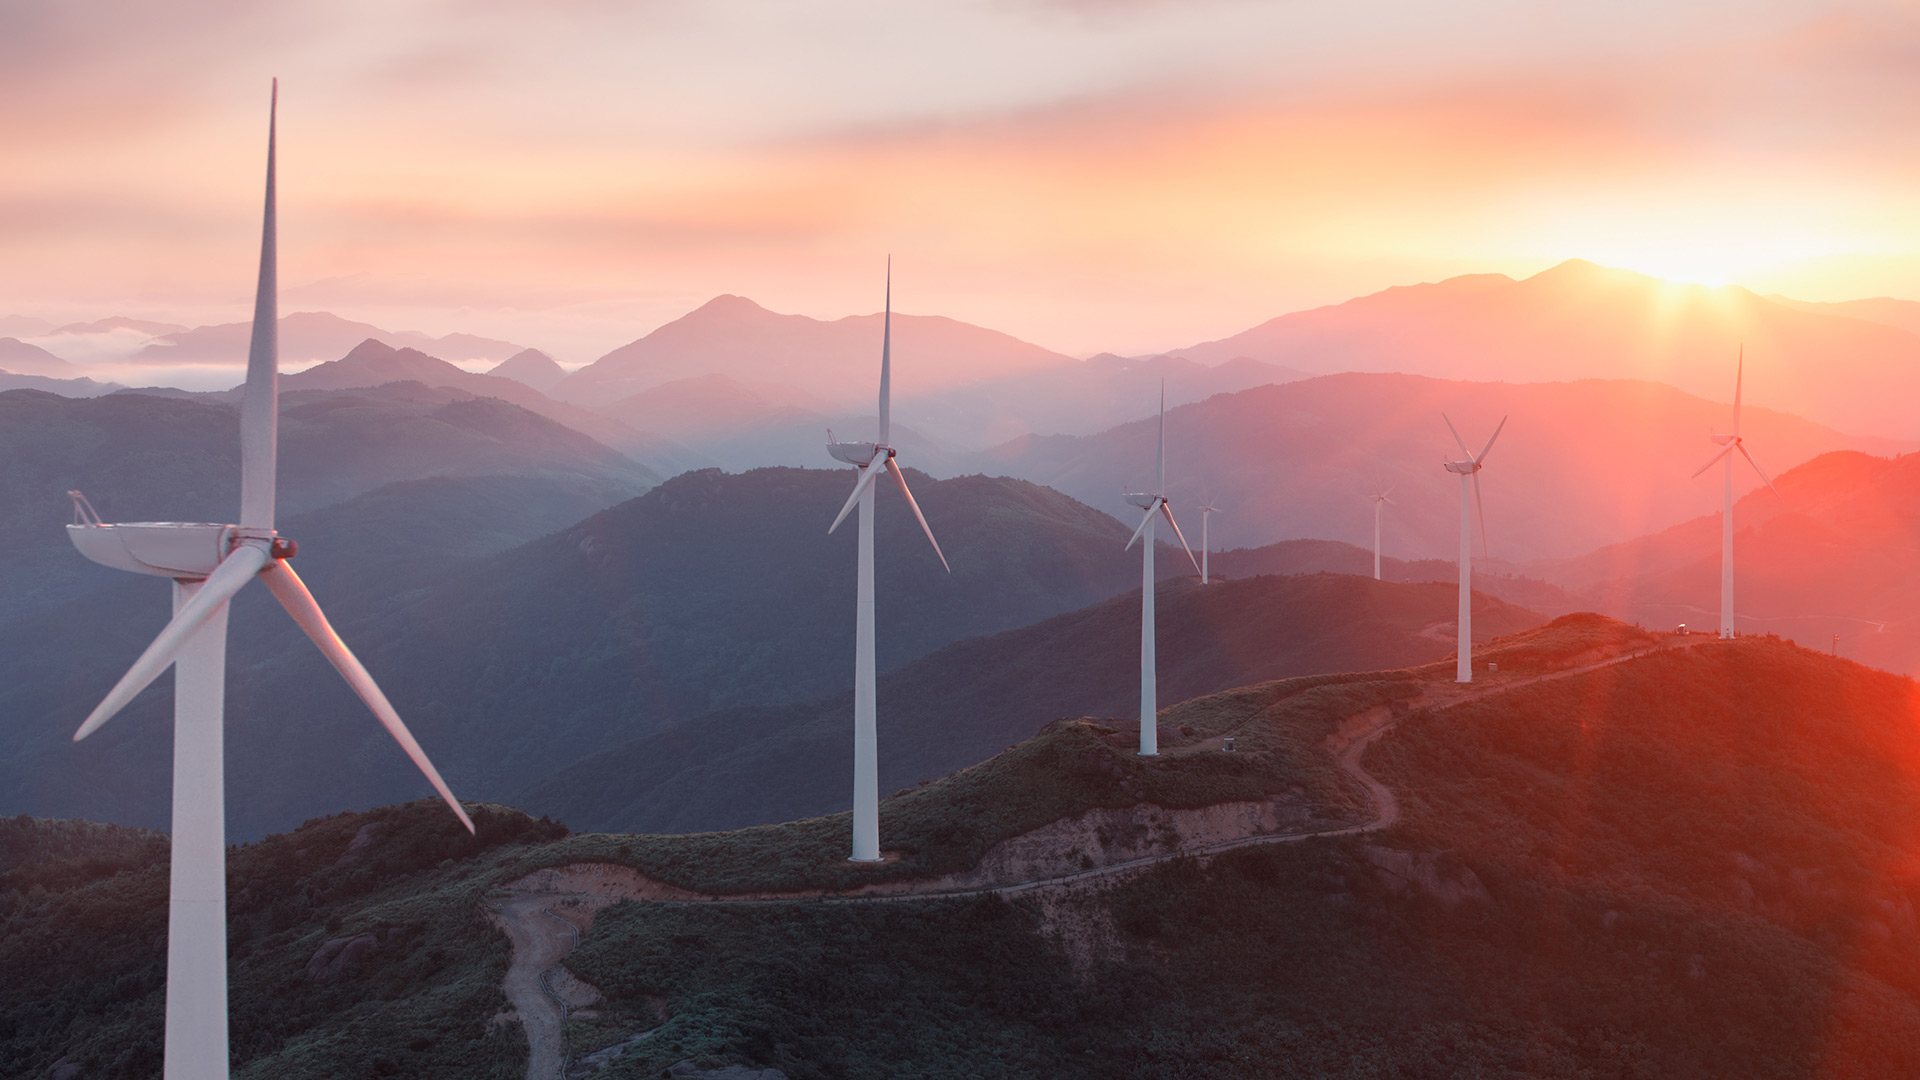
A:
[1126,175]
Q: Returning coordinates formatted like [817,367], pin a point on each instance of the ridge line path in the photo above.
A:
[539,942]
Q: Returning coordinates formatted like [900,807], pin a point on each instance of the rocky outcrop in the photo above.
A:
[342,953]
[1433,874]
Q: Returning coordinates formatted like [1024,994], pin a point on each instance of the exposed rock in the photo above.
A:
[367,835]
[339,954]
[65,1069]
[1433,874]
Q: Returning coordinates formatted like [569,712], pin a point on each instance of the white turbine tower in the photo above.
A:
[1207,510]
[1380,502]
[1469,471]
[1153,502]
[1731,442]
[208,565]
[871,459]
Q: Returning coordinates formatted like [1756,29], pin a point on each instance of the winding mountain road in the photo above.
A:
[540,938]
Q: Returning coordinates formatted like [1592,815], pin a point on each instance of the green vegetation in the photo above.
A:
[1693,863]
[85,963]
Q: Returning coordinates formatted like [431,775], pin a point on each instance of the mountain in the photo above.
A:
[532,367]
[1579,321]
[78,387]
[141,457]
[20,358]
[1899,314]
[725,380]
[964,703]
[1578,465]
[1835,552]
[308,337]
[1335,557]
[120,322]
[709,591]
[838,359]
[23,326]
[1692,862]
[373,364]
[1078,398]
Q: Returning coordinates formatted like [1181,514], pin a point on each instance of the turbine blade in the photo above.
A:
[293,595]
[1481,509]
[235,571]
[1160,454]
[1143,528]
[1715,460]
[1756,467]
[901,479]
[260,409]
[1739,374]
[1496,434]
[867,474]
[1456,437]
[1168,511]
[886,361]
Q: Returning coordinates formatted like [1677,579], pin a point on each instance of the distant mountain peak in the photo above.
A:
[368,351]
[728,304]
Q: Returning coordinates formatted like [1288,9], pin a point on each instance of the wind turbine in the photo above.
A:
[1469,471]
[1153,502]
[871,459]
[1380,501]
[1207,510]
[1731,442]
[209,564]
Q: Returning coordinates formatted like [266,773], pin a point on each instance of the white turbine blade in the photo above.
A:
[886,360]
[1456,437]
[901,479]
[1143,528]
[293,595]
[867,474]
[1739,372]
[1481,509]
[1756,467]
[1715,460]
[260,410]
[226,579]
[1482,456]
[1168,511]
[1160,454]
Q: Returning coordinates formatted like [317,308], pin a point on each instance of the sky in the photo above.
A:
[1090,175]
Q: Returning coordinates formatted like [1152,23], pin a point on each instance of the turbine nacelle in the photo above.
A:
[1464,468]
[181,550]
[1142,499]
[1722,440]
[857,454]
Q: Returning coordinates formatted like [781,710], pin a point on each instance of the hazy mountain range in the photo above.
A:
[1578,321]
[1578,465]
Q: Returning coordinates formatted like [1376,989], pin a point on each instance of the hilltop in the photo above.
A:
[1626,855]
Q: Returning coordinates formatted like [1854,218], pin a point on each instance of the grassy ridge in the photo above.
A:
[1697,862]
